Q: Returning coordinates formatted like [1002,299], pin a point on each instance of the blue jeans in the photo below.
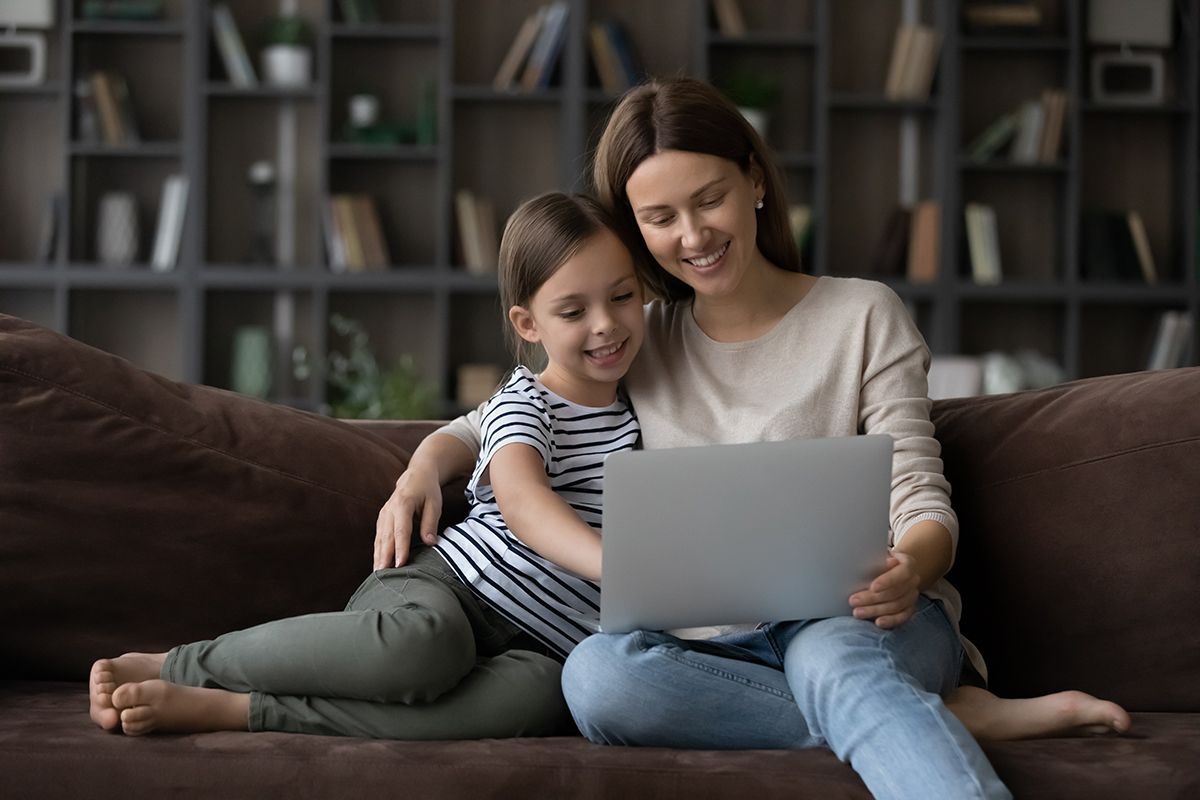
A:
[870,695]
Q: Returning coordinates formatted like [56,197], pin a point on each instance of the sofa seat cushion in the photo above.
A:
[137,513]
[1079,548]
[50,748]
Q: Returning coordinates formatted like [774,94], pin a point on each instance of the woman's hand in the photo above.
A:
[417,493]
[891,598]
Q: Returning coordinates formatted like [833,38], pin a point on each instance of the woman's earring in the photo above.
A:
[758,205]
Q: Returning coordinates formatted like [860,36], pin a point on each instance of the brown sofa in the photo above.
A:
[136,513]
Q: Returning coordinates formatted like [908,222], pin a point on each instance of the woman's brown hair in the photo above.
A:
[690,115]
[539,237]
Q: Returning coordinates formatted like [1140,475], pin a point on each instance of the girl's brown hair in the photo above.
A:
[540,237]
[690,115]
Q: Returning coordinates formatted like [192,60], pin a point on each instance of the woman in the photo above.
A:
[742,346]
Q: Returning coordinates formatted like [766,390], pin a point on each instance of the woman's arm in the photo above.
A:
[538,516]
[438,459]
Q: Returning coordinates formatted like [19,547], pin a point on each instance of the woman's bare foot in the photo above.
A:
[109,673]
[156,705]
[990,718]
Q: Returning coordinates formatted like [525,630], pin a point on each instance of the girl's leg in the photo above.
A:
[403,638]
[514,694]
[653,689]
[873,696]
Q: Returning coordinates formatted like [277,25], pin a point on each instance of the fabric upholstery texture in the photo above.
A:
[137,513]
[1079,556]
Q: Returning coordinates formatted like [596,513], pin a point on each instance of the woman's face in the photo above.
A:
[696,214]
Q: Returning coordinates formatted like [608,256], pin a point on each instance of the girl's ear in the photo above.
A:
[757,177]
[523,323]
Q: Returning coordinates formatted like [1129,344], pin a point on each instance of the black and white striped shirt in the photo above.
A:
[553,604]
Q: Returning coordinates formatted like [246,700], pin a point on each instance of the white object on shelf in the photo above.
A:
[27,13]
[34,45]
[117,229]
[287,65]
[955,376]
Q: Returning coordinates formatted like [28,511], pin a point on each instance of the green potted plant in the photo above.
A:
[287,52]
[360,389]
[755,94]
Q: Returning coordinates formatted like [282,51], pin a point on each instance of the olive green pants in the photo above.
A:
[415,655]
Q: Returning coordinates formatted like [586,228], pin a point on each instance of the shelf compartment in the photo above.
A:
[156,95]
[149,331]
[405,202]
[403,79]
[240,134]
[1012,327]
[31,164]
[91,178]
[398,324]
[1030,215]
[791,123]
[477,336]
[225,312]
[1119,338]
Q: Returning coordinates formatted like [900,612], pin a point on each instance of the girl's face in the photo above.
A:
[696,214]
[588,318]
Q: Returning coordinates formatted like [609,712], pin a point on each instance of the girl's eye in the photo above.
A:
[571,314]
[621,298]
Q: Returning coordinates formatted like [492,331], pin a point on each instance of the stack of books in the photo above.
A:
[353,235]
[913,64]
[1032,133]
[613,56]
[534,53]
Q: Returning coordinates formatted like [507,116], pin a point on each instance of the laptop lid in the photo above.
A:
[741,533]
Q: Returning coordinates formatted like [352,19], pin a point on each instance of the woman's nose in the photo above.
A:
[693,232]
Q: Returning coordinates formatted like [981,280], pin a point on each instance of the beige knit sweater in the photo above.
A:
[847,359]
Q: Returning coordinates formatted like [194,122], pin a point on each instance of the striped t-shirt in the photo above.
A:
[552,603]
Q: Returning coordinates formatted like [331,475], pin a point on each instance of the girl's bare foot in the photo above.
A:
[156,705]
[989,718]
[109,673]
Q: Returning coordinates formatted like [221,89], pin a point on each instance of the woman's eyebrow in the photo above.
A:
[693,195]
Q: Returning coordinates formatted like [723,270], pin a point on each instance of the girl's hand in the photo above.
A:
[891,598]
[417,493]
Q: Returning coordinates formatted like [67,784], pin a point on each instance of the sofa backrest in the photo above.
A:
[1079,550]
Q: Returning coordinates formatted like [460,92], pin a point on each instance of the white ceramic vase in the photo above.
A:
[117,231]
[287,65]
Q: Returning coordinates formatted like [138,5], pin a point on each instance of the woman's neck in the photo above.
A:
[762,298]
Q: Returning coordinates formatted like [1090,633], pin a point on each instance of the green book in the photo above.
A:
[987,144]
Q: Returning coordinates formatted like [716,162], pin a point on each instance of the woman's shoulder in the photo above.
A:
[863,289]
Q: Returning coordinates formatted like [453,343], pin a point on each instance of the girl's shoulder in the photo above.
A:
[520,388]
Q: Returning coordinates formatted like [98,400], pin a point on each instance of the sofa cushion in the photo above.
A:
[1079,554]
[216,511]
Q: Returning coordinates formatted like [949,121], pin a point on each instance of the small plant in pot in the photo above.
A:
[287,52]
[755,94]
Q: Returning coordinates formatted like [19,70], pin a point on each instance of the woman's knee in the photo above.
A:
[589,683]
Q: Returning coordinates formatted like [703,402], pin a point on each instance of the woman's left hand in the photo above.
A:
[891,598]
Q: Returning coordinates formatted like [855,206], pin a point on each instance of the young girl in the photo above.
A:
[446,646]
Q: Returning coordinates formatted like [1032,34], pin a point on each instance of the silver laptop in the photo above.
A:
[739,533]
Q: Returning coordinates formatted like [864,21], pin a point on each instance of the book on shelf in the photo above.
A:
[87,115]
[924,245]
[172,210]
[1172,341]
[915,51]
[354,236]
[544,56]
[238,67]
[1054,106]
[730,21]
[1110,248]
[477,232]
[994,138]
[994,15]
[1027,144]
[613,56]
[892,246]
[983,243]
[518,51]
[1141,246]
[359,12]
[116,122]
